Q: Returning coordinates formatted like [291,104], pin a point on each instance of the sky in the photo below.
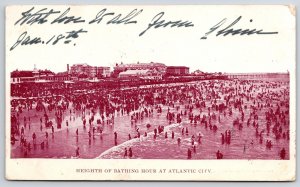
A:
[108,44]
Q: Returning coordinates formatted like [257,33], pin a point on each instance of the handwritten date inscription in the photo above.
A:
[158,22]
[25,39]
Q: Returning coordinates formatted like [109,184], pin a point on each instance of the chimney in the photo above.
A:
[68,69]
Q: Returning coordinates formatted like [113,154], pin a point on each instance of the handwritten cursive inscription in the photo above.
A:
[63,18]
[55,17]
[229,30]
[119,19]
[25,39]
[157,23]
[41,16]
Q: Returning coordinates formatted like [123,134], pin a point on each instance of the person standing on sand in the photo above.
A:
[125,153]
[77,152]
[34,138]
[189,153]
[116,136]
[130,152]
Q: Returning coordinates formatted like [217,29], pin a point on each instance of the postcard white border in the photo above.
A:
[222,170]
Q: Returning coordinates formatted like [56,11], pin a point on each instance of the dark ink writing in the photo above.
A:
[67,19]
[229,30]
[53,17]
[25,39]
[39,17]
[156,22]
[128,19]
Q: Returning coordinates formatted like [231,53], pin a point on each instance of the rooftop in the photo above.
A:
[177,67]
[140,64]
[134,72]
[18,73]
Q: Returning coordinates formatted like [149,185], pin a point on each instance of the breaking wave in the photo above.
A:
[120,148]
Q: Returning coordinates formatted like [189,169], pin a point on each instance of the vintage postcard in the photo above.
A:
[177,92]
